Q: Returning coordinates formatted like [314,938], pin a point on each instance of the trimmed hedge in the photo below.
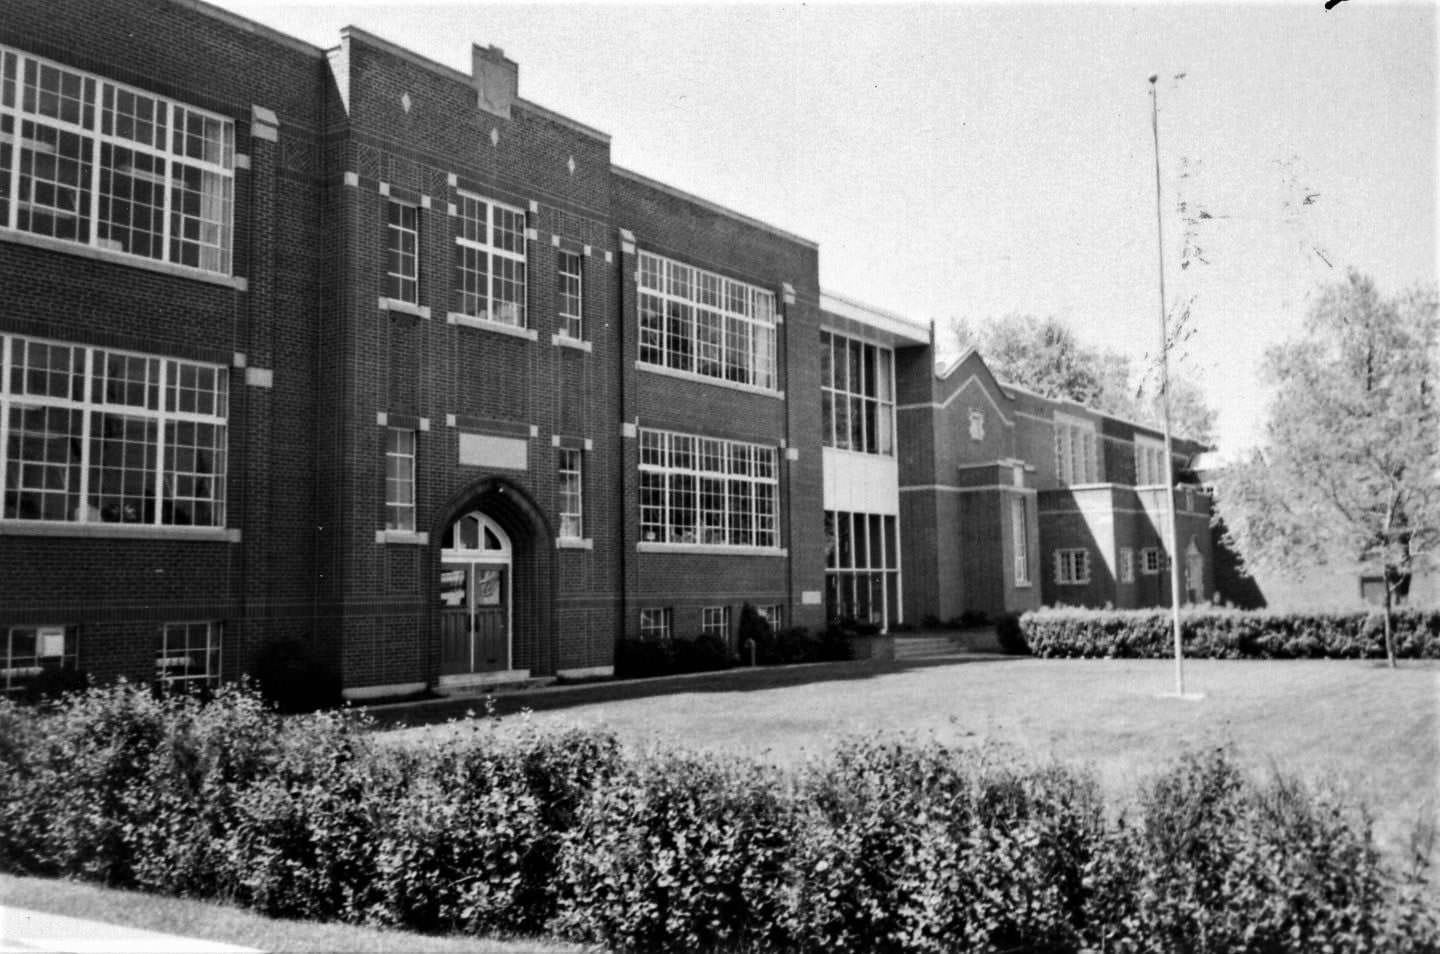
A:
[1210,633]
[886,846]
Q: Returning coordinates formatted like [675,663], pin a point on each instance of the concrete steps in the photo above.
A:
[920,647]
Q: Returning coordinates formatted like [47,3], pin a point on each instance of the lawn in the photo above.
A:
[1371,731]
[217,922]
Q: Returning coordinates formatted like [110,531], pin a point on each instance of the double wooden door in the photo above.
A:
[474,617]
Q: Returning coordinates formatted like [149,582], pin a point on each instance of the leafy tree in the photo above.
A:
[1351,465]
[1045,356]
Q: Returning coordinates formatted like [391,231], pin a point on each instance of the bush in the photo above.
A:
[883,846]
[1009,635]
[1210,633]
[679,853]
[293,680]
[922,848]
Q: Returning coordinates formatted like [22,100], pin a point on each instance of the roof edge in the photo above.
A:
[712,206]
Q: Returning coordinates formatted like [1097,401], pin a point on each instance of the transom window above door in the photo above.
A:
[476,535]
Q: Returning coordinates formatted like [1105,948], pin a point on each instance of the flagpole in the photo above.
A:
[1171,516]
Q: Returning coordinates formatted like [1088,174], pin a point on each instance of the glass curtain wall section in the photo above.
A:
[862,568]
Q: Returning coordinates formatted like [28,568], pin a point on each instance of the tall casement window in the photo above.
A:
[655,624]
[1150,462]
[1076,459]
[1020,533]
[189,655]
[399,479]
[862,567]
[89,161]
[570,294]
[402,252]
[701,490]
[715,621]
[857,398]
[1072,567]
[1127,565]
[489,261]
[33,650]
[570,480]
[702,323]
[95,435]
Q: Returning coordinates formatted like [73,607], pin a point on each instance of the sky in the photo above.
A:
[972,160]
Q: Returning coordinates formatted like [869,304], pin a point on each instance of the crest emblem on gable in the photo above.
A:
[977,424]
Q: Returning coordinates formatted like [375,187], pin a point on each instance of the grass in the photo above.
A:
[217,922]
[1371,732]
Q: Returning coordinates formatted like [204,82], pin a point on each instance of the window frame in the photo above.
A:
[212,652]
[570,305]
[1020,531]
[141,409]
[1149,461]
[695,322]
[715,621]
[397,508]
[1072,566]
[863,566]
[1149,556]
[1076,451]
[504,267]
[869,403]
[115,161]
[13,678]
[657,623]
[698,491]
[772,613]
[572,518]
[1127,564]
[402,286]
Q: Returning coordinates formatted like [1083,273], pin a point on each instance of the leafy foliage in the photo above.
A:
[1351,465]
[887,845]
[1208,633]
[1045,356]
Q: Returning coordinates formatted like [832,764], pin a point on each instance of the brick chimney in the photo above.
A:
[496,79]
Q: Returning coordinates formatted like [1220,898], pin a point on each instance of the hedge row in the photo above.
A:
[885,846]
[1209,633]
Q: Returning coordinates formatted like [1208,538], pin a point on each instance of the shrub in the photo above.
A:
[293,679]
[1213,633]
[704,653]
[1009,635]
[910,847]
[676,853]
[642,658]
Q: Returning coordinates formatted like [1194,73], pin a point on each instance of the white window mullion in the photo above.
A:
[93,135]
[172,181]
[87,409]
[162,433]
[5,365]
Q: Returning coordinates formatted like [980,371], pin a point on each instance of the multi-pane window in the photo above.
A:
[402,252]
[1020,533]
[32,650]
[1127,565]
[774,614]
[1150,562]
[1075,451]
[697,321]
[489,261]
[1150,462]
[86,160]
[570,479]
[1072,566]
[857,399]
[715,621]
[704,490]
[655,624]
[399,479]
[569,292]
[862,567]
[189,655]
[94,435]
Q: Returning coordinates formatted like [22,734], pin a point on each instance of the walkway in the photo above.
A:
[24,932]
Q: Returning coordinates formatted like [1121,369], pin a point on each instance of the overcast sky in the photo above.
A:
[972,160]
